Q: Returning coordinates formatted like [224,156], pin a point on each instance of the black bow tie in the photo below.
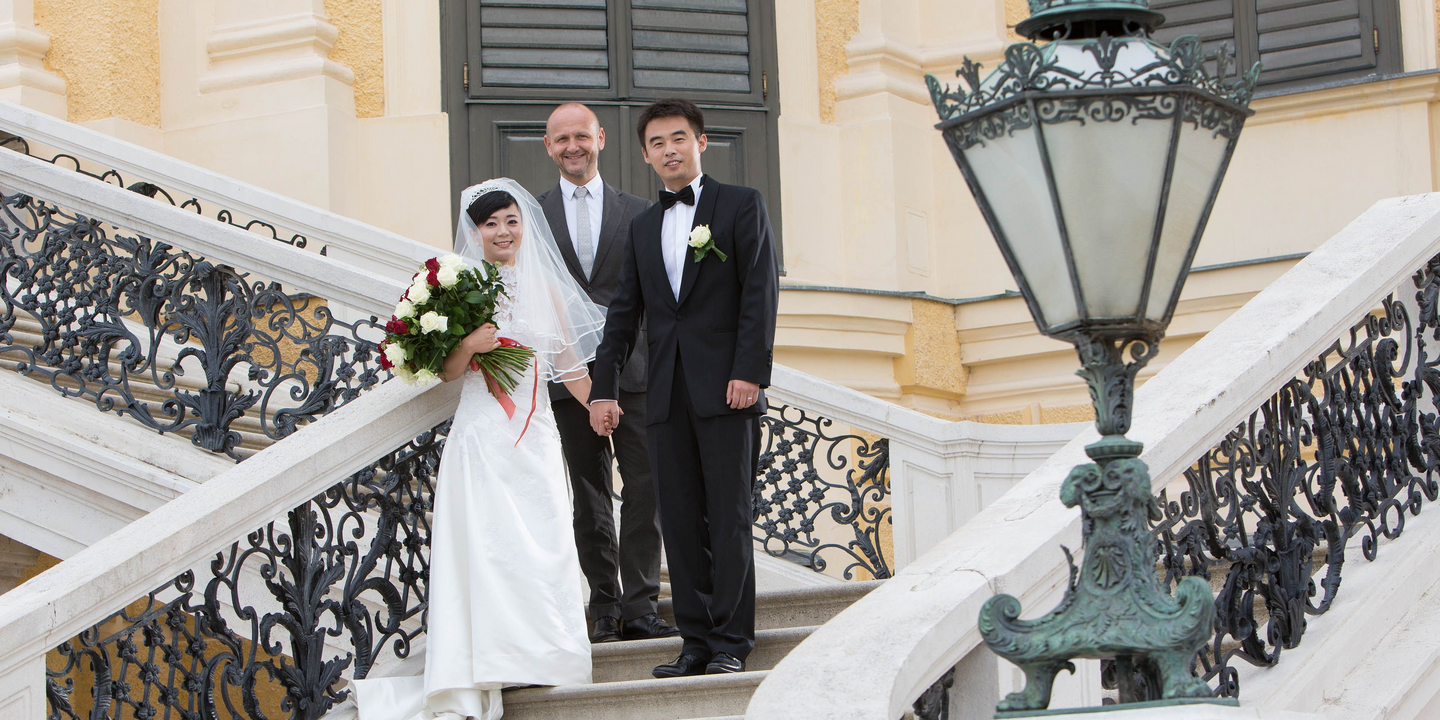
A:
[668,199]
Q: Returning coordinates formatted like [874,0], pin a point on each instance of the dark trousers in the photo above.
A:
[705,468]
[623,572]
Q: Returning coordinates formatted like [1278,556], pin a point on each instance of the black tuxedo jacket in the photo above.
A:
[617,212]
[723,324]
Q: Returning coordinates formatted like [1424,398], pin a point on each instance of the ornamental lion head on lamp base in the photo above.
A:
[1095,159]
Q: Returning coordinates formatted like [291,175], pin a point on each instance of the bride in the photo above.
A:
[505,606]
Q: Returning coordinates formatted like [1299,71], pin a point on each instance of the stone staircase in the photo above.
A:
[623,688]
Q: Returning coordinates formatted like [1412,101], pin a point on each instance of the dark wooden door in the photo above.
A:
[508,63]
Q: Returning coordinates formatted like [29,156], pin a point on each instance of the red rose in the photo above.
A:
[432,265]
[397,326]
[433,278]
[385,361]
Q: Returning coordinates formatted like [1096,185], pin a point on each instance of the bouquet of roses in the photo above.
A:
[447,301]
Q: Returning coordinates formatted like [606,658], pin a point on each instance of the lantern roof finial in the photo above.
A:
[1077,19]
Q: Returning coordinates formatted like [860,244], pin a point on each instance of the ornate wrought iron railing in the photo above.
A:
[149,189]
[165,337]
[352,563]
[810,473]
[1347,449]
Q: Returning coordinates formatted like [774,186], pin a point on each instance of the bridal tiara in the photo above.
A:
[468,195]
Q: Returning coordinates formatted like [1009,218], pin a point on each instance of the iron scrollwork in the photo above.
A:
[347,576]
[118,319]
[1030,69]
[1346,449]
[806,473]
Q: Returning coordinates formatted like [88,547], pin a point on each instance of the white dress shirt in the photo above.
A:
[593,205]
[675,236]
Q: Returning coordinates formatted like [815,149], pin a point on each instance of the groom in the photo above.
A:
[701,270]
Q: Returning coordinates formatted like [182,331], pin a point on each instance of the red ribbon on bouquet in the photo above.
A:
[500,395]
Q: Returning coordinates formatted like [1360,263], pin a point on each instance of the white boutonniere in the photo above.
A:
[704,244]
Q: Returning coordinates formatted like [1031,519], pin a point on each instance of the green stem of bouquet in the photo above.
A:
[505,365]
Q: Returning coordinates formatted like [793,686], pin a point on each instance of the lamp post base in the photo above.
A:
[1115,606]
[1223,702]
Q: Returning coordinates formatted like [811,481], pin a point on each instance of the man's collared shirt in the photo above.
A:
[675,236]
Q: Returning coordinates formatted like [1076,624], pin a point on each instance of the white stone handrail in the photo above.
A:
[217,242]
[875,658]
[347,240]
[88,587]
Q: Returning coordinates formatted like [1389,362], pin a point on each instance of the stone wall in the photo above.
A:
[108,51]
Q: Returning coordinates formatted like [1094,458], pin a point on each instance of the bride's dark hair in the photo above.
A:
[486,205]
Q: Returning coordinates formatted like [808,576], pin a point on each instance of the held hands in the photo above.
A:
[740,394]
[605,416]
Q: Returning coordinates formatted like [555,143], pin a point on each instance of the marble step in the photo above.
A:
[802,607]
[634,659]
[703,696]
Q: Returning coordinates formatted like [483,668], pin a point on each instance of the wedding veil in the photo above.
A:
[551,312]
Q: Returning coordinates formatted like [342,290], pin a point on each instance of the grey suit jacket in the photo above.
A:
[618,210]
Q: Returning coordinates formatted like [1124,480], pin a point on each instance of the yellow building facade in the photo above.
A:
[893,285]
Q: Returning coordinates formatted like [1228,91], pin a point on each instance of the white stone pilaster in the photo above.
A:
[259,69]
[23,77]
[256,43]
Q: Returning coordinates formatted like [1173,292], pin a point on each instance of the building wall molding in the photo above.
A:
[23,75]
[1417,87]
[274,49]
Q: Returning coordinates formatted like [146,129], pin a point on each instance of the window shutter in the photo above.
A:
[1212,20]
[544,44]
[1297,42]
[1301,39]
[680,46]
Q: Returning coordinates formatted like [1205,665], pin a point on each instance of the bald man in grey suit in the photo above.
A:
[591,224]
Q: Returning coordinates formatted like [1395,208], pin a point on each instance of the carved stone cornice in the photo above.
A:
[287,47]
[23,76]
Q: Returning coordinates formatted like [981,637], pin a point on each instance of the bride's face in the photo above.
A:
[502,233]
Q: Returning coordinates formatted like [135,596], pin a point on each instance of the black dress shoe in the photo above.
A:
[723,664]
[646,627]
[683,666]
[607,629]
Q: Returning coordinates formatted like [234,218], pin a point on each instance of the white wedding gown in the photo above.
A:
[506,604]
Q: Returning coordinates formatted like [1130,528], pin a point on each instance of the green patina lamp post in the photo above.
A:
[1095,158]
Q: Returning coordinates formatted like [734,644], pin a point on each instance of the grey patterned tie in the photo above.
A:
[582,230]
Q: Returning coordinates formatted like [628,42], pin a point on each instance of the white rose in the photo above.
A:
[448,276]
[425,377]
[403,372]
[395,353]
[434,322]
[699,236]
[420,292]
[404,309]
[452,261]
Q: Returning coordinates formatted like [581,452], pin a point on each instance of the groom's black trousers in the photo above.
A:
[704,474]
